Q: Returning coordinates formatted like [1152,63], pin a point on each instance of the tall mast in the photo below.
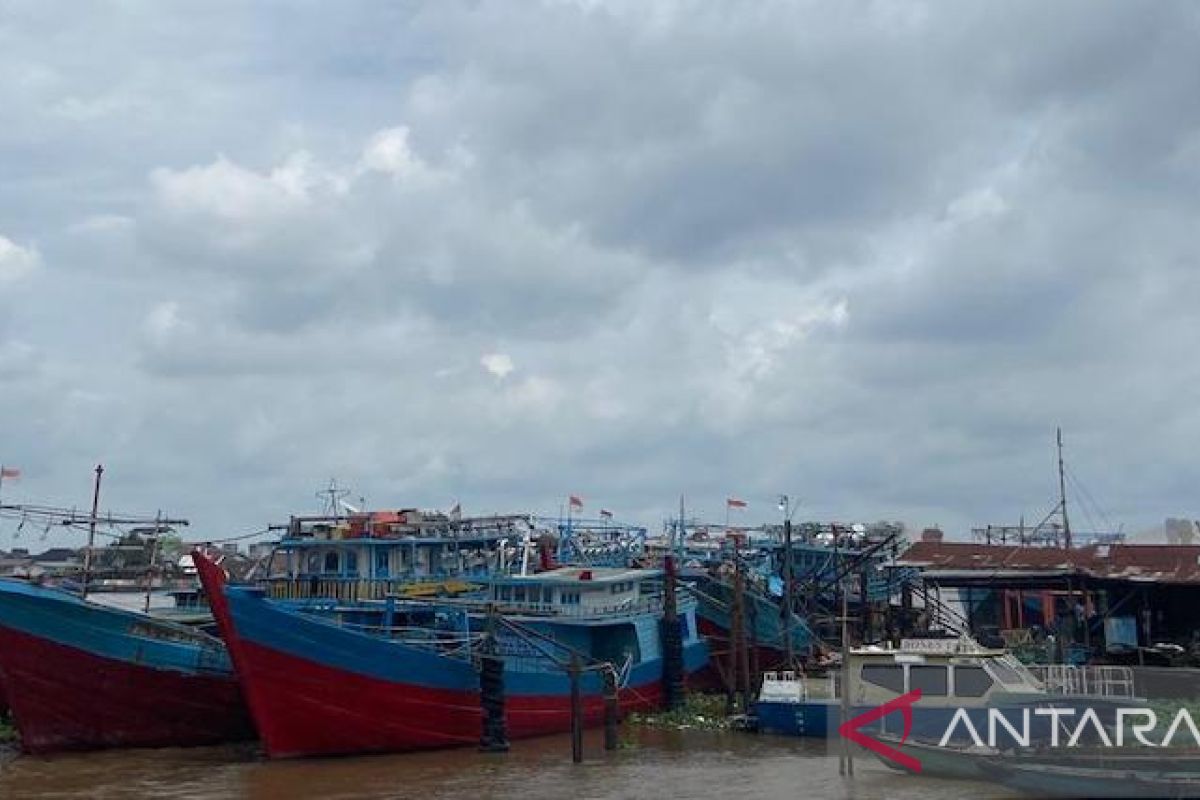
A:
[680,532]
[1062,492]
[87,554]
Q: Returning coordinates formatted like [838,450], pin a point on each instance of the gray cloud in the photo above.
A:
[867,255]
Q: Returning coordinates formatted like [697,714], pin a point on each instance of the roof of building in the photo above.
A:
[1130,562]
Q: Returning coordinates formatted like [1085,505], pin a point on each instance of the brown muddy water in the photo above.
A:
[652,763]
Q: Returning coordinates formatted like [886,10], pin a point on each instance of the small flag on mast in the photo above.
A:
[9,472]
[605,514]
[456,512]
[576,502]
[733,502]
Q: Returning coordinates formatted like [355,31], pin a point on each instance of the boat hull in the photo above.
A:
[69,688]
[820,718]
[318,689]
[305,708]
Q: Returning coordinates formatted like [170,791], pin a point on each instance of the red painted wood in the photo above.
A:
[64,698]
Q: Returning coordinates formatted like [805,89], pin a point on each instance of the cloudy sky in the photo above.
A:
[869,254]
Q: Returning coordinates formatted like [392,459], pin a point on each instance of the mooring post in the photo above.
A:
[576,710]
[741,643]
[672,639]
[494,736]
[611,708]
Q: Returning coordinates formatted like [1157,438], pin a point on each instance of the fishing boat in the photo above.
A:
[764,620]
[80,675]
[953,675]
[327,677]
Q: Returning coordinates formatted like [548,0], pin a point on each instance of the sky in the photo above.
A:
[865,254]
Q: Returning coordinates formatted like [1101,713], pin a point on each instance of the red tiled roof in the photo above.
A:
[1163,563]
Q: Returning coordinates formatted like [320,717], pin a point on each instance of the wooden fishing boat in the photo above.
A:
[330,677]
[80,675]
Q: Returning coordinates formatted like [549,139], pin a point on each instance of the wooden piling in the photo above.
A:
[611,708]
[671,637]
[574,670]
[493,737]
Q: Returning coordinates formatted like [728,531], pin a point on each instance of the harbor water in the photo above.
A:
[651,763]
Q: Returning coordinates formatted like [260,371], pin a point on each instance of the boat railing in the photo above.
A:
[444,642]
[1087,680]
[644,605]
[352,589]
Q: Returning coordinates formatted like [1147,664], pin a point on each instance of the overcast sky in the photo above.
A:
[869,254]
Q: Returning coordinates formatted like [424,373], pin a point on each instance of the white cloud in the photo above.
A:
[498,364]
[228,191]
[17,262]
[389,152]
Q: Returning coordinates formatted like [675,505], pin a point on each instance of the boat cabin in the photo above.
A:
[578,591]
[957,671]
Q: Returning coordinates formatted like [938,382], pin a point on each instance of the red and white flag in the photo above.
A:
[733,502]
[9,472]
[605,513]
[576,501]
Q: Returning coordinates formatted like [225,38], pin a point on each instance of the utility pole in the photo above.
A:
[788,652]
[87,554]
[1062,492]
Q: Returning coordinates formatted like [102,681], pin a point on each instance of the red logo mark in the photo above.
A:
[850,729]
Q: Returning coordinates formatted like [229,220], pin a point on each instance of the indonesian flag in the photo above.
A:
[605,513]
[733,502]
[576,502]
[9,472]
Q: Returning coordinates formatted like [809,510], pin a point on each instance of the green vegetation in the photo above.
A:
[8,732]
[698,712]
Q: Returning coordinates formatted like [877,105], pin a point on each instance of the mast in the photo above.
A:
[1062,492]
[87,554]
[158,528]
[680,532]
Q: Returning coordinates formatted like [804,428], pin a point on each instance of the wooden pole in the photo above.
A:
[846,759]
[611,708]
[788,579]
[1062,493]
[87,554]
[576,711]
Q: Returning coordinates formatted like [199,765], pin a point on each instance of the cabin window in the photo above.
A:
[519,594]
[887,676]
[314,563]
[932,681]
[569,598]
[381,563]
[971,681]
[331,562]
[352,563]
[547,595]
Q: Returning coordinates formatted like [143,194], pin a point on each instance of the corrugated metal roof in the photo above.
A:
[1162,563]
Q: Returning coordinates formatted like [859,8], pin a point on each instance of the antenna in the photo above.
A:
[332,499]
